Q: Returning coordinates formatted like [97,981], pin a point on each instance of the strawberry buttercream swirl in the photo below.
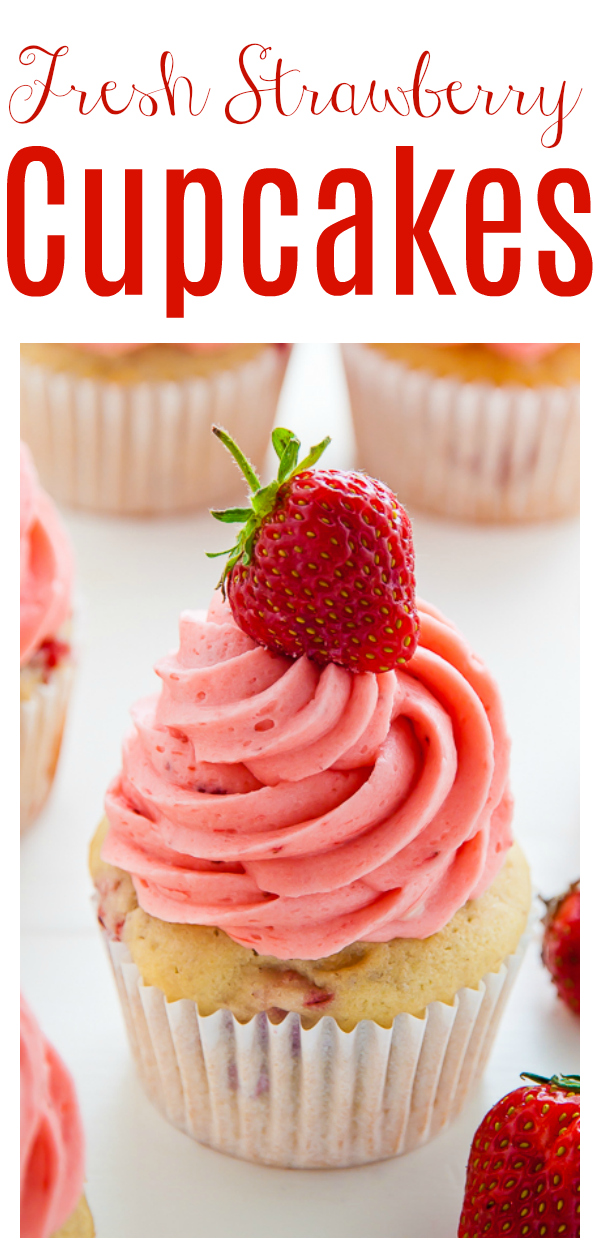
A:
[46,564]
[52,1151]
[302,809]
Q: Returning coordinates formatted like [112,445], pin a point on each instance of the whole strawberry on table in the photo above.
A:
[560,948]
[523,1170]
[323,564]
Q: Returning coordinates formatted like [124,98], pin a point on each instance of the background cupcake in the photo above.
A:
[308,883]
[483,432]
[52,1145]
[46,655]
[127,427]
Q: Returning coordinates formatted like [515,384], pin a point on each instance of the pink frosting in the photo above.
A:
[52,1149]
[46,564]
[301,809]
[523,351]
[520,351]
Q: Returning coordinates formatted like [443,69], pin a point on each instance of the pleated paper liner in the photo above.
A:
[286,1096]
[42,722]
[147,448]
[466,449]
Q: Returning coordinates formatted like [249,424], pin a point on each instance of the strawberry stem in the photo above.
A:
[262,497]
[568,1083]
[243,463]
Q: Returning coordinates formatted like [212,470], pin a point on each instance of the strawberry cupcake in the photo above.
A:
[125,428]
[52,1148]
[46,654]
[307,880]
[486,432]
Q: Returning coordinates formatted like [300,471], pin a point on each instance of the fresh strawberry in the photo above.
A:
[523,1171]
[560,949]
[323,565]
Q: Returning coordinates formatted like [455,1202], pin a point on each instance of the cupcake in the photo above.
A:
[482,432]
[126,428]
[52,1148]
[46,654]
[306,879]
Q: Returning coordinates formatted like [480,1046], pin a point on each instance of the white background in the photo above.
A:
[500,586]
[512,591]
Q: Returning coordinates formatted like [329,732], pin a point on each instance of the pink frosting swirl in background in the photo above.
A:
[301,809]
[524,351]
[109,348]
[521,351]
[46,564]
[52,1148]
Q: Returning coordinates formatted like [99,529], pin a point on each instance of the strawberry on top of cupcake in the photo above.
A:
[323,565]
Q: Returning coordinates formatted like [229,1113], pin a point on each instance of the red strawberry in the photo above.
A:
[323,565]
[560,949]
[523,1171]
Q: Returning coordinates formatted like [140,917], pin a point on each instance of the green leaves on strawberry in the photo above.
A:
[262,498]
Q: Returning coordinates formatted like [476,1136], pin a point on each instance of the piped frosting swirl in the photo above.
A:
[52,1149]
[301,809]
[46,564]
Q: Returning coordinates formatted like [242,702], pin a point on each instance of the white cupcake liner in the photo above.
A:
[286,1096]
[466,449]
[42,722]
[147,448]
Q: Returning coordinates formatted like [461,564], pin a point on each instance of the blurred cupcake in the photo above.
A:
[126,428]
[485,432]
[310,894]
[52,1146]
[46,655]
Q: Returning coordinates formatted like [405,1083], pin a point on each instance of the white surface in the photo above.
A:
[514,594]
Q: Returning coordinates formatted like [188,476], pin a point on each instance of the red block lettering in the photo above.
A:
[477,226]
[131,279]
[251,242]
[565,231]
[361,221]
[409,231]
[15,221]
[177,281]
